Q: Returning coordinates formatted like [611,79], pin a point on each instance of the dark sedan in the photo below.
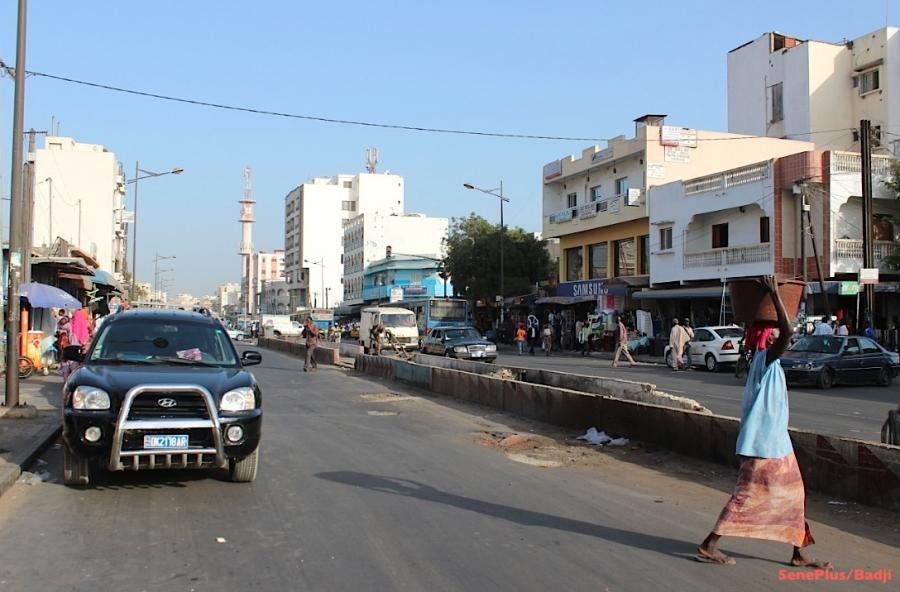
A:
[826,360]
[465,343]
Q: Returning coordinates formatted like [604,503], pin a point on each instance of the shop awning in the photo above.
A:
[680,293]
[565,300]
[105,278]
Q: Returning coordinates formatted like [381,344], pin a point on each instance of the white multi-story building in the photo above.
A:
[314,216]
[367,237]
[784,87]
[596,205]
[79,192]
[266,266]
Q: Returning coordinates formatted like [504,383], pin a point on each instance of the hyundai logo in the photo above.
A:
[167,402]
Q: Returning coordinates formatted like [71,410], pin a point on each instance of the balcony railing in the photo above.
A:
[845,248]
[721,181]
[849,162]
[728,256]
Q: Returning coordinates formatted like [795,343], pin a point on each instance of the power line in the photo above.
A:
[403,127]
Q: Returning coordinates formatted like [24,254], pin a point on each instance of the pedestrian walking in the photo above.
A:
[842,329]
[547,338]
[622,345]
[676,344]
[579,344]
[521,336]
[533,326]
[311,332]
[769,499]
[688,337]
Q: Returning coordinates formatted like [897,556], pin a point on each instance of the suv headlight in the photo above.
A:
[240,399]
[460,349]
[90,397]
[490,347]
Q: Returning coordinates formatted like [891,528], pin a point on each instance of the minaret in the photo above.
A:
[247,245]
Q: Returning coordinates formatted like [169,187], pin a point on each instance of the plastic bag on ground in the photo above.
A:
[592,436]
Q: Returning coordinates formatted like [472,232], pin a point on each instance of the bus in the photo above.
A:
[434,312]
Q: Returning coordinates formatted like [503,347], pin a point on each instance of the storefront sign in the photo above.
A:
[414,290]
[848,289]
[582,288]
[868,275]
[588,210]
[562,216]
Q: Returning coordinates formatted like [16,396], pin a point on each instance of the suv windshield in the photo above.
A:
[146,340]
[462,334]
[824,344]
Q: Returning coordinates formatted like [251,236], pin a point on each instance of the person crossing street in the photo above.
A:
[622,345]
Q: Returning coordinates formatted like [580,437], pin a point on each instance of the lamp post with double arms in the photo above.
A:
[502,234]
[157,270]
[321,264]
[137,177]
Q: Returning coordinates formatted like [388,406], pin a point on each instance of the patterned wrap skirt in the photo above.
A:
[769,502]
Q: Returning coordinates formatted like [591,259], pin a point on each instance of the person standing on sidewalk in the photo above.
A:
[311,332]
[533,325]
[769,499]
[676,344]
[688,336]
[622,345]
[547,338]
[521,335]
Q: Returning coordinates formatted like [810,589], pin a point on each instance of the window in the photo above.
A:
[595,193]
[869,346]
[852,347]
[665,238]
[764,229]
[625,257]
[703,335]
[602,206]
[622,186]
[867,81]
[573,264]
[777,97]
[599,260]
[719,235]
[572,200]
[643,260]
[348,184]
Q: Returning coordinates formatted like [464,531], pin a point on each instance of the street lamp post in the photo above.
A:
[157,271]
[147,174]
[321,264]
[502,235]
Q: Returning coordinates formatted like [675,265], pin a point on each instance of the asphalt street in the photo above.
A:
[852,411]
[364,485]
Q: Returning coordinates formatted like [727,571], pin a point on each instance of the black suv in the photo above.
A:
[162,389]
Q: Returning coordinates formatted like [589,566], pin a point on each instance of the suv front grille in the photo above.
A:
[187,405]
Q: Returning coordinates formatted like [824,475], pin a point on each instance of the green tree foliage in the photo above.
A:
[473,259]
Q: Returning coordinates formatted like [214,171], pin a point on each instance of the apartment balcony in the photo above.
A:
[849,252]
[729,256]
[732,178]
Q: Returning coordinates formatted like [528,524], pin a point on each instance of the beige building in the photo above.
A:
[783,87]
[596,205]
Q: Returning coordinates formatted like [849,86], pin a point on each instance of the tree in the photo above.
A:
[473,259]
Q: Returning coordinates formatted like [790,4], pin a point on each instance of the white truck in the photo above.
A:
[399,322]
[273,326]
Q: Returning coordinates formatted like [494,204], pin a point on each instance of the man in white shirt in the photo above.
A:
[822,329]
[842,329]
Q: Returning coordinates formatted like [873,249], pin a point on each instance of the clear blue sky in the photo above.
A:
[577,68]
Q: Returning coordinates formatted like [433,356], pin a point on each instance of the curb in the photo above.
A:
[11,471]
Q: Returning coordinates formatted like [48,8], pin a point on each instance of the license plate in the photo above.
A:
[165,442]
[478,354]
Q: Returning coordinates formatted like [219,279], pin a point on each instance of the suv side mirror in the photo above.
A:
[251,358]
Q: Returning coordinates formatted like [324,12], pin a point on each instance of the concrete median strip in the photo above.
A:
[866,472]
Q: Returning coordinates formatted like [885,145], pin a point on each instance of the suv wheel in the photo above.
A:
[244,470]
[76,470]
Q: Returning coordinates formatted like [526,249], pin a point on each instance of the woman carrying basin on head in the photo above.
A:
[769,499]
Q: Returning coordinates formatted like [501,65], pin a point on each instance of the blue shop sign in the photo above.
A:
[583,288]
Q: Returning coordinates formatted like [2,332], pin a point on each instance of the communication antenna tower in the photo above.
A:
[371,159]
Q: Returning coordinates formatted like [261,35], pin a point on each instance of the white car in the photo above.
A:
[235,334]
[711,347]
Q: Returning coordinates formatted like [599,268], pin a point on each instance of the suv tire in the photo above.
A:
[76,470]
[244,470]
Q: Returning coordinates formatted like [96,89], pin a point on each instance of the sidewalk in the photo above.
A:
[21,440]
[597,355]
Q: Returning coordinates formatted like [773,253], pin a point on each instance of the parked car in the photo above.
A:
[236,334]
[711,347]
[826,360]
[465,343]
[161,389]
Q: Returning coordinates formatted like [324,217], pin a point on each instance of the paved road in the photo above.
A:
[363,491]
[854,411]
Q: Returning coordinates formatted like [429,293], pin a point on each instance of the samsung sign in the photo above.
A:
[582,288]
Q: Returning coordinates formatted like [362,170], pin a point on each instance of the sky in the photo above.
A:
[576,69]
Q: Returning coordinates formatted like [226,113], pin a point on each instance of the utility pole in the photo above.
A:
[865,149]
[13,314]
[812,234]
[28,183]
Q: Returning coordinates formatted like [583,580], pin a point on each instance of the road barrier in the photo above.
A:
[326,352]
[866,472]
